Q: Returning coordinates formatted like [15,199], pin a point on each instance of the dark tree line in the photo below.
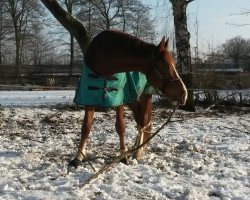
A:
[235,50]
[22,36]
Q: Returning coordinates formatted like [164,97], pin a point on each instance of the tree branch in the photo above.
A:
[237,25]
[75,27]
[189,1]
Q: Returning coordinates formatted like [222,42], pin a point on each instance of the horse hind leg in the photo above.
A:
[85,131]
[120,129]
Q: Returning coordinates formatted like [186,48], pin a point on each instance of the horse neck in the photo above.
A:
[138,58]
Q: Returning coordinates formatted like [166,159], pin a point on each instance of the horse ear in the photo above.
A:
[162,44]
[166,43]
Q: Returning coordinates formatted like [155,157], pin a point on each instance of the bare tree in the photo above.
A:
[70,6]
[136,20]
[243,12]
[34,45]
[3,29]
[109,10]
[235,49]
[129,16]
[2,38]
[246,60]
[99,15]
[22,14]
[89,16]
[74,26]
[182,37]
[2,35]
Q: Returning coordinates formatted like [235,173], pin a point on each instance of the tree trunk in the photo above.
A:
[69,5]
[1,34]
[18,48]
[182,37]
[71,62]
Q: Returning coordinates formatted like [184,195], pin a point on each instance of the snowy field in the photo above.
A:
[36,98]
[202,155]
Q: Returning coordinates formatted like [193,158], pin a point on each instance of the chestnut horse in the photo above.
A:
[113,52]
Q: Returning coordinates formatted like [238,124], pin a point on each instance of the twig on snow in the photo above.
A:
[245,126]
[246,132]
[128,153]
[220,100]
[31,139]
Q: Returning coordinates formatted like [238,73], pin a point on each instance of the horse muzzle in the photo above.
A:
[176,92]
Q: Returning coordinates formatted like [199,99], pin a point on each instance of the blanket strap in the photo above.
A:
[105,89]
[95,76]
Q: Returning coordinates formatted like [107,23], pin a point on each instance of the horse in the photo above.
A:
[112,52]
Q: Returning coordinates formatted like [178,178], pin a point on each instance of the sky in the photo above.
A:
[218,20]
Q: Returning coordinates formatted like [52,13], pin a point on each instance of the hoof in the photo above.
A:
[75,163]
[140,154]
[124,161]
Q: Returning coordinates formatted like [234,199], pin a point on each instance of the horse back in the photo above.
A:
[111,49]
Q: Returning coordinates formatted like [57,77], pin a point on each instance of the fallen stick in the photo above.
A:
[128,153]
[235,129]
[220,100]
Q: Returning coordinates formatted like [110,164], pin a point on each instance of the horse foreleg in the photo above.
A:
[120,129]
[85,131]
[144,123]
[146,101]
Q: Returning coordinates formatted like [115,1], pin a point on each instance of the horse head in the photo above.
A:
[163,75]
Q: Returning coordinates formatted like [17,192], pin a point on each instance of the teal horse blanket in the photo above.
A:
[121,88]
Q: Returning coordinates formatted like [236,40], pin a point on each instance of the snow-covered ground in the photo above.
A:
[36,98]
[202,155]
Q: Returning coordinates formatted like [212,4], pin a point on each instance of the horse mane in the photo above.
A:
[125,38]
[113,39]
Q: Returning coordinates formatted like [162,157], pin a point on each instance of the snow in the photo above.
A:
[36,98]
[202,155]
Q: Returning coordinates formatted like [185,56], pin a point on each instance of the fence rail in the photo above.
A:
[62,75]
[220,81]
[208,88]
[44,75]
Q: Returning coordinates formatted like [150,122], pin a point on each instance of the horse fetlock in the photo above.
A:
[123,150]
[140,153]
[80,156]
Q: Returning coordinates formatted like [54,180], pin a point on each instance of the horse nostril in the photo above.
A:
[175,103]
